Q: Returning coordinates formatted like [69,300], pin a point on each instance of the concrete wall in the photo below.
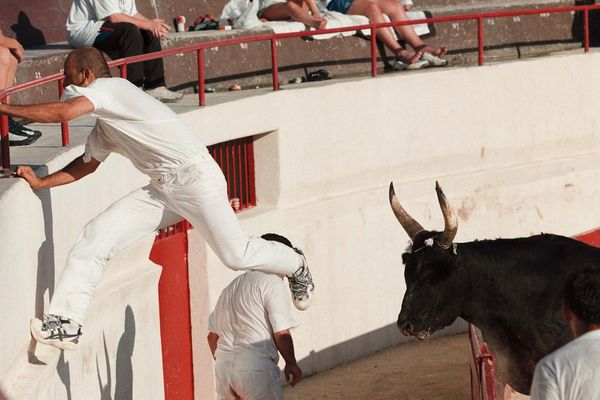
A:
[514,146]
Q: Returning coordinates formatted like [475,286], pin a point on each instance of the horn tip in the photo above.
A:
[392,191]
[437,186]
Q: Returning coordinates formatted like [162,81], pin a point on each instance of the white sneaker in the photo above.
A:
[301,285]
[56,331]
[165,95]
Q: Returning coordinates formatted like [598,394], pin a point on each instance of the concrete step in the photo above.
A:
[250,65]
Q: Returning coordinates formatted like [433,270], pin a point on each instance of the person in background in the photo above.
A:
[11,54]
[573,371]
[249,325]
[117,28]
[296,10]
[422,56]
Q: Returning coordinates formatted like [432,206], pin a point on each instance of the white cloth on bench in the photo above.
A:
[243,14]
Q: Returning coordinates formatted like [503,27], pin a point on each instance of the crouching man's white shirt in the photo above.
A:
[137,126]
[571,372]
[248,312]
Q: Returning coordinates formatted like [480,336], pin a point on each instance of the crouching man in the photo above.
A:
[249,325]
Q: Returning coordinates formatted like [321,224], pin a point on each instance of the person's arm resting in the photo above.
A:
[76,170]
[212,338]
[50,112]
[285,345]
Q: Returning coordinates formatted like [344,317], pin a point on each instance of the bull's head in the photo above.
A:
[434,278]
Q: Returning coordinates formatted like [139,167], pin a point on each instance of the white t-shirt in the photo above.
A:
[248,312]
[87,16]
[137,126]
[571,372]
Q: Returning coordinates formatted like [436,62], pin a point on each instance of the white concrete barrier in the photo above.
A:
[514,145]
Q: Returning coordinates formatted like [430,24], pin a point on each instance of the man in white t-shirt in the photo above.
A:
[185,182]
[117,28]
[573,371]
[249,325]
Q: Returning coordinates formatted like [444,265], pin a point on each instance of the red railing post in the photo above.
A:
[123,70]
[201,94]
[4,137]
[274,63]
[480,39]
[64,125]
[373,53]
[586,29]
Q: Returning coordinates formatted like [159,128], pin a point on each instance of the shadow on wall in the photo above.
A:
[46,265]
[362,346]
[124,368]
[27,34]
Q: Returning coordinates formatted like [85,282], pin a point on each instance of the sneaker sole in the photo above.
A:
[35,327]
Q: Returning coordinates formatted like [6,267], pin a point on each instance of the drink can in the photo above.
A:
[180,23]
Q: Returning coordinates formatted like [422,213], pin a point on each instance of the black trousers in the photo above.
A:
[123,40]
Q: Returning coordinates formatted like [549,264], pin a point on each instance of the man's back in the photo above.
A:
[571,372]
[247,313]
[137,126]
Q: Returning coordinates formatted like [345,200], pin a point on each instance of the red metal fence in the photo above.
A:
[273,38]
[483,384]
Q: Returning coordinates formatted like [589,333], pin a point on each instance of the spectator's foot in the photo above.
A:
[301,285]
[436,51]
[406,59]
[434,61]
[56,331]
[165,95]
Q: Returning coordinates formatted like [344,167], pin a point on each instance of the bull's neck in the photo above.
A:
[481,269]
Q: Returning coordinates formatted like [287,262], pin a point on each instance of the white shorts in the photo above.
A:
[247,378]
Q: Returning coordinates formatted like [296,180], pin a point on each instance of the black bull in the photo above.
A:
[510,288]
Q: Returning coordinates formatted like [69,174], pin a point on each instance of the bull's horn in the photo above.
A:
[450,220]
[411,226]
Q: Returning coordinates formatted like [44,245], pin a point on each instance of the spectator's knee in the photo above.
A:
[132,31]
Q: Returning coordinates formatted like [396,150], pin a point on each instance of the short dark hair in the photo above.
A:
[582,295]
[277,238]
[90,58]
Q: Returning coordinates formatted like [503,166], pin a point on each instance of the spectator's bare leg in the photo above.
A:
[396,13]
[8,68]
[295,10]
[372,10]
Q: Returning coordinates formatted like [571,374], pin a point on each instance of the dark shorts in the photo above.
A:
[341,6]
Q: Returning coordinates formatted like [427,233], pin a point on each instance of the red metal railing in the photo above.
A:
[273,38]
[483,384]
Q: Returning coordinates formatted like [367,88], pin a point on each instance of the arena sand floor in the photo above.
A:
[432,370]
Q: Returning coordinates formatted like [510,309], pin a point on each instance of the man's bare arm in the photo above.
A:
[76,170]
[50,112]
[212,338]
[285,345]
[157,26]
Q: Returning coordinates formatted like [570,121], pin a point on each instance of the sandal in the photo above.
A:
[434,61]
[442,50]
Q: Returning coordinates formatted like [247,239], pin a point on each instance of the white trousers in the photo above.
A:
[196,192]
[247,379]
